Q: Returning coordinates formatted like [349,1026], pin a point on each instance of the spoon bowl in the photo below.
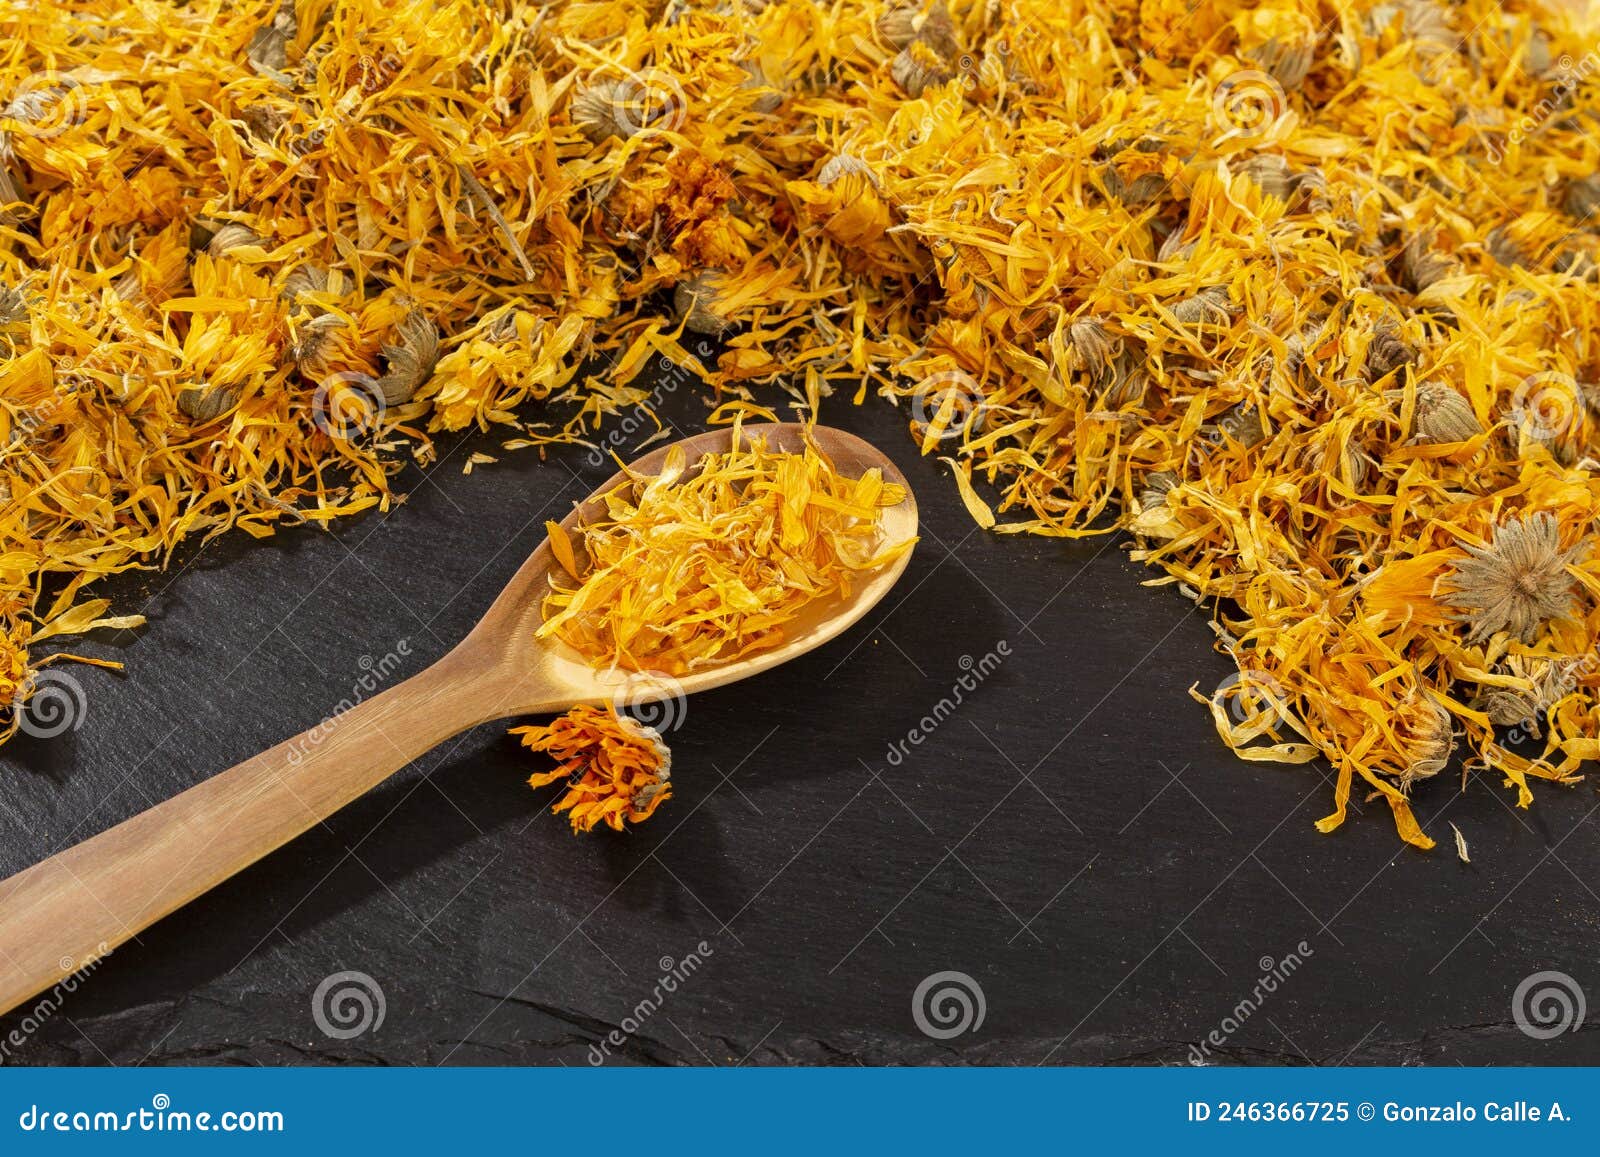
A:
[68,911]
[538,676]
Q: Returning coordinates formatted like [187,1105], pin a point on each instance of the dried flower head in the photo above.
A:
[919,67]
[1582,199]
[1423,22]
[1431,743]
[1387,352]
[617,770]
[768,96]
[698,302]
[1543,683]
[904,21]
[1517,583]
[1422,264]
[231,235]
[314,340]
[841,166]
[305,279]
[205,403]
[600,110]
[1091,347]
[1279,39]
[1270,172]
[1211,306]
[1175,248]
[1503,246]
[13,307]
[268,50]
[1128,381]
[1445,415]
[411,362]
[1157,485]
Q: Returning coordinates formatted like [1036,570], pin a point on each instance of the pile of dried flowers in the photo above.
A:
[707,562]
[1302,292]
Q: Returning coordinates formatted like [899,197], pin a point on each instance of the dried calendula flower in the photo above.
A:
[1091,347]
[699,303]
[1540,684]
[1423,22]
[13,308]
[269,48]
[1423,263]
[617,770]
[1212,306]
[1504,247]
[1582,199]
[203,403]
[918,67]
[1281,40]
[602,109]
[231,235]
[710,561]
[410,362]
[1387,352]
[903,21]
[1430,745]
[1518,582]
[1445,415]
[1271,173]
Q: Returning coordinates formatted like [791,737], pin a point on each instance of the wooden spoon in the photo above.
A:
[67,912]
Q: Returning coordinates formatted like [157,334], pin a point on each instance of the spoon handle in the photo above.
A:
[64,913]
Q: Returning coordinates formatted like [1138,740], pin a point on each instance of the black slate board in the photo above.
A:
[1073,837]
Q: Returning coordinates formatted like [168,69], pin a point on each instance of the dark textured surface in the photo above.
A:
[1073,836]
